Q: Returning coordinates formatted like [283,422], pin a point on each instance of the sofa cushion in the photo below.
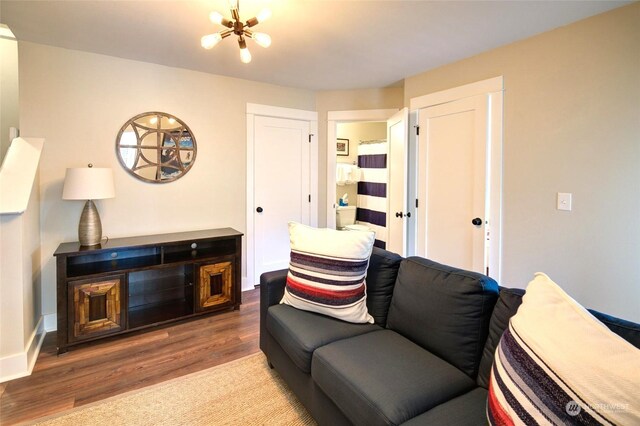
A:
[299,333]
[629,331]
[556,363]
[381,277]
[443,309]
[506,307]
[469,409]
[382,378]
[327,272]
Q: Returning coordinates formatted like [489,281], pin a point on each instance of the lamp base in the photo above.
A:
[90,226]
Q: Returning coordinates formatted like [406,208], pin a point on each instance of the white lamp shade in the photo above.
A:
[88,183]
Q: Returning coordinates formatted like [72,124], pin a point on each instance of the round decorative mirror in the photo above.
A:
[156,147]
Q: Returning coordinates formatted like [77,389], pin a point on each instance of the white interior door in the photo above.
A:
[282,188]
[398,213]
[453,183]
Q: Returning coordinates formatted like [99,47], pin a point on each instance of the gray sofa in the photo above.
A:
[426,360]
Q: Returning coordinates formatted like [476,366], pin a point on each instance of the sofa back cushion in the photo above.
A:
[506,307]
[381,277]
[629,331]
[443,309]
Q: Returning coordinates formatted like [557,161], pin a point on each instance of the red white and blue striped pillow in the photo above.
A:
[556,364]
[327,272]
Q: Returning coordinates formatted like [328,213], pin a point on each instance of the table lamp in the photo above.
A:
[89,183]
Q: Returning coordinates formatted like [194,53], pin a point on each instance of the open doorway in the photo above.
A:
[360,191]
[361,177]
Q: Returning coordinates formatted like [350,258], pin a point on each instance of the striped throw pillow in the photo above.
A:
[327,272]
[557,364]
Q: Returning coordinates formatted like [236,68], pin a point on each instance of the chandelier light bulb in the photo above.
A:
[210,40]
[264,15]
[235,26]
[262,39]
[245,55]
[216,17]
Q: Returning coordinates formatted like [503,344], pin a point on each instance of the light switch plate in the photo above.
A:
[564,201]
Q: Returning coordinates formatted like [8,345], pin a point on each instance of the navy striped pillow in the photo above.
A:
[549,367]
[327,272]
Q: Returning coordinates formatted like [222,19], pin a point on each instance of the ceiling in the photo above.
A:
[317,44]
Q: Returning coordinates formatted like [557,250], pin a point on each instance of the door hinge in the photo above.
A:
[487,271]
[310,138]
[309,197]
[418,130]
[416,203]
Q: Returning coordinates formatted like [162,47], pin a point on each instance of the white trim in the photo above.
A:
[21,364]
[361,115]
[50,322]
[495,202]
[254,110]
[248,236]
[494,84]
[333,118]
[280,112]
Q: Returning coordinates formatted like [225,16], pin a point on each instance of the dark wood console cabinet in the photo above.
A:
[128,284]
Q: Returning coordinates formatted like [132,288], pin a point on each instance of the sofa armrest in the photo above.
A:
[271,291]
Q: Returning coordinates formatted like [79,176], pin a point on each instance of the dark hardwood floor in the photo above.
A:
[96,371]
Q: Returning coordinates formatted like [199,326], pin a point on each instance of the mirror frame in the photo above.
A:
[146,130]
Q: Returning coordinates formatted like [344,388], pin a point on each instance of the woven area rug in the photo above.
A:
[242,392]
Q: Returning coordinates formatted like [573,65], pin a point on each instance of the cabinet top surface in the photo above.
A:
[147,240]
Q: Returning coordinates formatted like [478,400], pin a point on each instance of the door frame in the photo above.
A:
[333,118]
[253,110]
[494,89]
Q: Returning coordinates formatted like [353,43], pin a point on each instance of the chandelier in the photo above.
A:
[237,27]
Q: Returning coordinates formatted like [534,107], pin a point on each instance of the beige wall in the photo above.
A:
[572,104]
[78,101]
[346,100]
[20,327]
[8,91]
[571,124]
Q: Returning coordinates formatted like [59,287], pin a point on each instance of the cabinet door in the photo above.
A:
[95,307]
[216,285]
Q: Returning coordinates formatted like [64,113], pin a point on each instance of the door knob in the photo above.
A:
[477,221]
[259,210]
[408,214]
[398,214]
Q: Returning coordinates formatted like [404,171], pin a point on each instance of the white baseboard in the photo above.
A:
[21,364]
[246,284]
[50,322]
